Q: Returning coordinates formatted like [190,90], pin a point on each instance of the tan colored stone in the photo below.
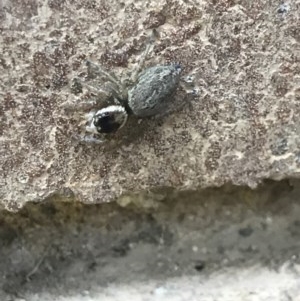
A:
[243,126]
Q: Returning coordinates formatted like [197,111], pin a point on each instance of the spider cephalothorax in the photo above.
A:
[108,120]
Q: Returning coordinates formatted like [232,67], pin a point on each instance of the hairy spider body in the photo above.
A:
[150,95]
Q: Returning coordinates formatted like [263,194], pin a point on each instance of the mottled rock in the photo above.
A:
[242,127]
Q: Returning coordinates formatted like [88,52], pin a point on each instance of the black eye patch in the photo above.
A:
[106,123]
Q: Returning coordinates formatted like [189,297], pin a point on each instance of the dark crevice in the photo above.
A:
[58,245]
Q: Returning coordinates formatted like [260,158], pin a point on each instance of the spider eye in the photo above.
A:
[110,120]
[105,123]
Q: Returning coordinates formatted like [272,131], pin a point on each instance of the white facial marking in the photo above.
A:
[111,109]
[90,117]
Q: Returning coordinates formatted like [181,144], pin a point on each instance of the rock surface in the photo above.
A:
[242,127]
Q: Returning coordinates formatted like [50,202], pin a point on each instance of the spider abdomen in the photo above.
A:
[151,95]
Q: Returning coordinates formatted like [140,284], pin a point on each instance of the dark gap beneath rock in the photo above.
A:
[66,245]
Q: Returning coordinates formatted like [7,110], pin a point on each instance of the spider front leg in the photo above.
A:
[120,92]
[188,85]
[141,64]
[92,136]
[101,95]
[89,139]
[151,40]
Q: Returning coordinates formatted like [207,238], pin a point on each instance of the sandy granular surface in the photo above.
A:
[241,127]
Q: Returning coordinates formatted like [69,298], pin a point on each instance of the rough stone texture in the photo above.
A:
[242,127]
[223,244]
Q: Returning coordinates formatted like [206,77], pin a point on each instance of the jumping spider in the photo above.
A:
[149,94]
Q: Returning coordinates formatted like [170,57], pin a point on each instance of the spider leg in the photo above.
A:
[188,85]
[95,69]
[98,91]
[88,139]
[152,38]
[90,128]
[117,88]
[141,63]
[78,105]
[77,84]
[119,98]
[102,95]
